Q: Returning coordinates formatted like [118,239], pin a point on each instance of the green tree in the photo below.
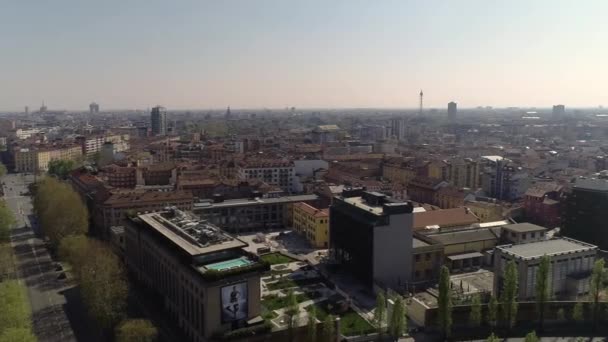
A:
[444,302]
[508,299]
[103,284]
[493,312]
[291,313]
[578,314]
[14,306]
[493,338]
[311,327]
[560,315]
[329,331]
[531,337]
[17,335]
[61,168]
[475,314]
[74,250]
[7,220]
[380,313]
[542,289]
[2,168]
[598,276]
[60,210]
[397,324]
[136,330]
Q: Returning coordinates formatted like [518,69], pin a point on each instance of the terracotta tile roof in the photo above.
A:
[444,218]
[310,210]
[119,198]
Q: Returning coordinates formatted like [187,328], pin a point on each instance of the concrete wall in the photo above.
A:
[393,251]
[306,168]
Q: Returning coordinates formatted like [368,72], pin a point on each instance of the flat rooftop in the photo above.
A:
[417,243]
[239,202]
[524,228]
[594,184]
[452,237]
[192,235]
[551,247]
[359,202]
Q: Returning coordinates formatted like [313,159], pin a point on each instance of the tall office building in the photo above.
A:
[371,237]
[158,120]
[398,128]
[93,108]
[585,214]
[559,110]
[27,110]
[452,110]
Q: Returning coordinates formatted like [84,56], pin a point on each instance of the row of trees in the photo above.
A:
[60,210]
[15,313]
[505,308]
[100,273]
[396,324]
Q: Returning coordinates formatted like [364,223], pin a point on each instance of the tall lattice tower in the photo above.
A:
[421,102]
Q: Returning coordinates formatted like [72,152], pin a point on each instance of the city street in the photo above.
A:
[57,312]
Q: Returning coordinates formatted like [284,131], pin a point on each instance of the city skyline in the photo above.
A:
[274,54]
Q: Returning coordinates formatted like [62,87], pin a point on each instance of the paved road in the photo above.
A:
[58,314]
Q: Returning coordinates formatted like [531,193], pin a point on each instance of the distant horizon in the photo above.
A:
[276,54]
[237,109]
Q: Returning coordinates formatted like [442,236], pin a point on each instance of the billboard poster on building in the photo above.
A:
[234,302]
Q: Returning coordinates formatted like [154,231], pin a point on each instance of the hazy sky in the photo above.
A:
[307,53]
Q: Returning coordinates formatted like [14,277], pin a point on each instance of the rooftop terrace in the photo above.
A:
[192,235]
[549,247]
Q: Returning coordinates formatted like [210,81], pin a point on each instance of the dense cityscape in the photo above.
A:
[262,224]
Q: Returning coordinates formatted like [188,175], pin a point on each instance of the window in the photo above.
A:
[532,235]
[427,256]
[417,257]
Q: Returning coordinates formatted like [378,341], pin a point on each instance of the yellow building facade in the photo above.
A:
[312,223]
[398,173]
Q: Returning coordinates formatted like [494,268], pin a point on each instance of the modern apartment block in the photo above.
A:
[158,121]
[37,158]
[250,214]
[208,283]
[93,144]
[273,172]
[571,265]
[371,237]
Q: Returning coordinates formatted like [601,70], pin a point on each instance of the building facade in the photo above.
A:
[277,173]
[158,121]
[251,214]
[312,223]
[585,214]
[371,237]
[209,284]
[571,265]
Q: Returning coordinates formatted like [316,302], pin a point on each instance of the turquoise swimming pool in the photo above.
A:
[228,264]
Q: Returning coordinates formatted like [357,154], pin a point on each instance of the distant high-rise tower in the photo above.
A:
[158,120]
[228,113]
[27,110]
[421,102]
[559,110]
[452,110]
[93,108]
[43,108]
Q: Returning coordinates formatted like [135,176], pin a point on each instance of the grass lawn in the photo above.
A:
[286,283]
[351,324]
[274,302]
[277,258]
